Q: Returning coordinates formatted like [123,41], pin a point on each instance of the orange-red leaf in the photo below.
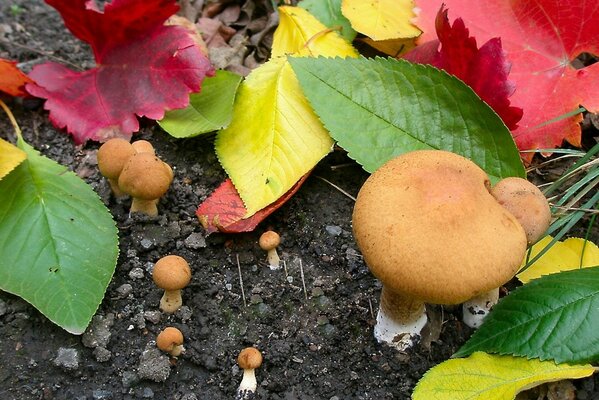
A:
[540,38]
[224,210]
[12,80]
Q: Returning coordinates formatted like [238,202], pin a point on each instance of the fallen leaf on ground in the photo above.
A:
[275,138]
[484,69]
[490,377]
[10,157]
[214,32]
[329,13]
[572,253]
[540,39]
[12,80]
[144,68]
[224,211]
[381,19]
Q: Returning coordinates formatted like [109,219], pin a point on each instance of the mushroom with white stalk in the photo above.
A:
[268,242]
[431,232]
[170,340]
[530,207]
[249,359]
[171,273]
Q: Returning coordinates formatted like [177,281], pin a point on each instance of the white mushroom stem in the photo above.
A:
[273,259]
[476,309]
[400,319]
[177,350]
[248,385]
[171,301]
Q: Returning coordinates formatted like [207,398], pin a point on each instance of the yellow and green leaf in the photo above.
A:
[572,253]
[491,377]
[274,137]
[10,157]
[381,19]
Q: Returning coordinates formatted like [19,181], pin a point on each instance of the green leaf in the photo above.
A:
[208,111]
[380,108]
[58,243]
[490,377]
[553,317]
[329,13]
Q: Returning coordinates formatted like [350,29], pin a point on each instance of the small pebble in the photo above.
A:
[102,354]
[129,379]
[333,230]
[195,241]
[147,393]
[67,358]
[124,290]
[153,316]
[154,365]
[136,273]
[146,243]
[100,394]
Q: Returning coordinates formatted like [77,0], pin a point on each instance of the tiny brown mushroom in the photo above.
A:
[170,340]
[249,359]
[171,273]
[146,178]
[430,231]
[112,156]
[269,242]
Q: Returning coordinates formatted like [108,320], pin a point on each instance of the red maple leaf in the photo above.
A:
[143,68]
[540,39]
[12,80]
[223,210]
[485,70]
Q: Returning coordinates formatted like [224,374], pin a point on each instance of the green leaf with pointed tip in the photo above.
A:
[553,317]
[58,243]
[328,12]
[379,108]
[208,111]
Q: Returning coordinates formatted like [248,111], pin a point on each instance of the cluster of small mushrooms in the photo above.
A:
[433,230]
[134,169]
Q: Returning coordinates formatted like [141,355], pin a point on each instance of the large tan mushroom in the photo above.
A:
[431,232]
[112,156]
[146,178]
[171,273]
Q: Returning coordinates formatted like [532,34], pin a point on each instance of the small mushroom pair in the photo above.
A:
[134,169]
[432,230]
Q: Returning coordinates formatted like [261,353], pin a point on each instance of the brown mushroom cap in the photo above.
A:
[145,177]
[249,358]
[171,273]
[169,338]
[269,240]
[527,203]
[112,156]
[143,146]
[429,228]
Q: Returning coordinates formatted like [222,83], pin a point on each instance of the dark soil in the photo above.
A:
[313,321]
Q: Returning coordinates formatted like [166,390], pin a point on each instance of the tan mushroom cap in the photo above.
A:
[269,240]
[169,338]
[429,228]
[249,358]
[143,146]
[171,273]
[112,156]
[527,203]
[145,177]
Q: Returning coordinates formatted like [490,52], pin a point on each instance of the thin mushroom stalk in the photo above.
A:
[399,320]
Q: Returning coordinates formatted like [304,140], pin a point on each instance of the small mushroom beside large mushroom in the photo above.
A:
[431,231]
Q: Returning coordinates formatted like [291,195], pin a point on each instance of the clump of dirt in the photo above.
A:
[312,319]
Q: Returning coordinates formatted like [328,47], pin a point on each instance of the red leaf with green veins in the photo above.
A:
[12,80]
[485,70]
[223,210]
[540,38]
[143,68]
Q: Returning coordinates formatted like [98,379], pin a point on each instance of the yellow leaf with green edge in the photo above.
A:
[274,137]
[562,256]
[300,33]
[381,19]
[10,157]
[491,377]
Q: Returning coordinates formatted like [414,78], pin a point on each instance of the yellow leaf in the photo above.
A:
[381,19]
[274,137]
[10,157]
[392,47]
[491,377]
[300,33]
[562,256]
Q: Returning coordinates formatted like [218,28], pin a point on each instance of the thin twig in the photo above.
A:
[43,53]
[371,310]
[339,166]
[12,119]
[586,210]
[241,281]
[336,187]
[285,268]
[303,281]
